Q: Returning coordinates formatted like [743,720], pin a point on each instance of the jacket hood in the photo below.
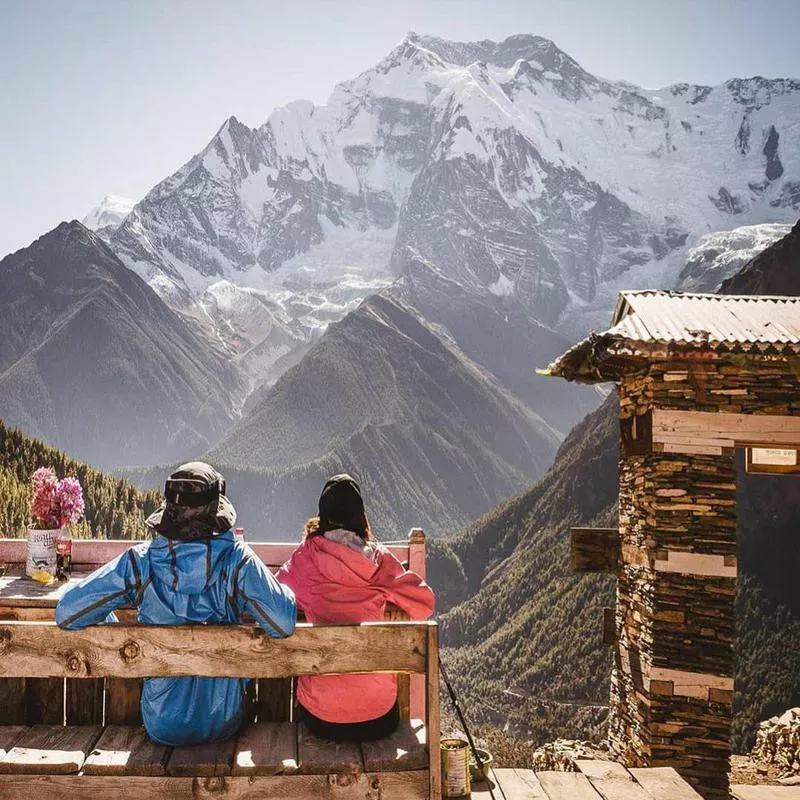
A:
[189,566]
[336,560]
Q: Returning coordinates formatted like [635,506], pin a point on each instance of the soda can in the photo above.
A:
[239,534]
[63,557]
[455,768]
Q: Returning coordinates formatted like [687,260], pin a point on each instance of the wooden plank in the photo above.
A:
[742,429]
[519,784]
[214,759]
[705,564]
[50,749]
[416,683]
[405,749]
[663,783]
[765,792]
[267,748]
[611,780]
[26,614]
[126,750]
[274,703]
[87,554]
[567,786]
[690,684]
[96,787]
[386,786]
[123,697]
[83,702]
[595,549]
[44,699]
[323,757]
[433,712]
[20,591]
[12,701]
[38,648]
[8,736]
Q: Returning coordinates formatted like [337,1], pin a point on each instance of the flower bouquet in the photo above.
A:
[56,503]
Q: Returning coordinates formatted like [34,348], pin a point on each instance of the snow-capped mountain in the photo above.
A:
[110,213]
[718,256]
[505,164]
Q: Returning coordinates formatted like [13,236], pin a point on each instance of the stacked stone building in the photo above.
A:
[699,376]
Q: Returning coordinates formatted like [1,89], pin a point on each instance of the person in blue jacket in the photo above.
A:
[193,571]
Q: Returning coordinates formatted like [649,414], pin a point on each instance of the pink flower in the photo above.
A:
[55,503]
[44,504]
[69,497]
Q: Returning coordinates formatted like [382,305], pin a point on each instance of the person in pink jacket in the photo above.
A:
[340,574]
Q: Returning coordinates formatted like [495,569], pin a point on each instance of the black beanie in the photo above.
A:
[341,506]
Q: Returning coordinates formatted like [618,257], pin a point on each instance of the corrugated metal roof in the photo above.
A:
[658,316]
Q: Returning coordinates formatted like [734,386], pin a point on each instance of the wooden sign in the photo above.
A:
[773,460]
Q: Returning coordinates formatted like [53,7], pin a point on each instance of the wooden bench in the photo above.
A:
[268,759]
[116,700]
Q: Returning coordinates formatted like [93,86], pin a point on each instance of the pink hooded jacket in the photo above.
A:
[339,579]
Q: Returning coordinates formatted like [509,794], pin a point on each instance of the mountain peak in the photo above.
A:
[113,208]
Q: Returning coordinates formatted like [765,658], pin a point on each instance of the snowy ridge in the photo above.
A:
[507,165]
[720,255]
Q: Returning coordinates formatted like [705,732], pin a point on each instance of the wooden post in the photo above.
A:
[595,549]
[12,706]
[44,701]
[433,719]
[274,700]
[84,701]
[122,701]
[416,683]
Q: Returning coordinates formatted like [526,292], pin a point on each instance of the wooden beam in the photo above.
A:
[386,785]
[698,685]
[718,429]
[707,565]
[40,648]
[595,549]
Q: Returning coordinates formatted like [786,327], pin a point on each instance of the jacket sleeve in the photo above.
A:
[406,589]
[270,604]
[91,601]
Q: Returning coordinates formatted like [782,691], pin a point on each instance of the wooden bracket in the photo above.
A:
[595,549]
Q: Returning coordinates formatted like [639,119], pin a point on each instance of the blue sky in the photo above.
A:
[111,96]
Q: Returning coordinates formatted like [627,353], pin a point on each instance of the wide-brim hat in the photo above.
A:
[195,504]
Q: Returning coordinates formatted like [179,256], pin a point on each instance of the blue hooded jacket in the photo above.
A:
[215,580]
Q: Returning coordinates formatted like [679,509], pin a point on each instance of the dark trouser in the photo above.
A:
[367,731]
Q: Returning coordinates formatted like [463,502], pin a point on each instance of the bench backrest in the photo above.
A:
[42,650]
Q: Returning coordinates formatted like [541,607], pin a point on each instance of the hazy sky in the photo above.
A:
[111,96]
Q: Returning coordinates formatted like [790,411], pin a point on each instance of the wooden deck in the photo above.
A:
[604,780]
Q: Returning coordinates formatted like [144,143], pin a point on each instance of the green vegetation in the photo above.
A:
[115,509]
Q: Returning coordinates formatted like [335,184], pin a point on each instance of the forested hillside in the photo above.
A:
[523,634]
[115,509]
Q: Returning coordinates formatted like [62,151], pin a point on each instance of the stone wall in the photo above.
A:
[671,688]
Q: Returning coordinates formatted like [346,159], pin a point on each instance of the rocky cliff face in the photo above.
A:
[776,270]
